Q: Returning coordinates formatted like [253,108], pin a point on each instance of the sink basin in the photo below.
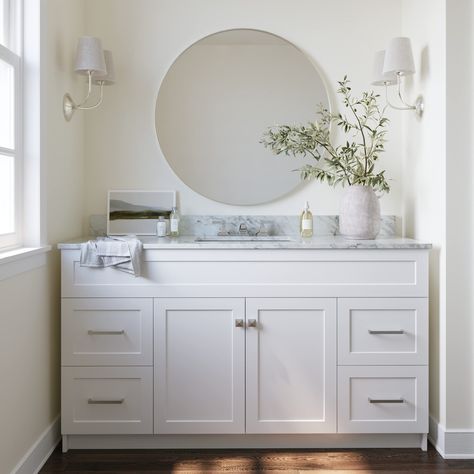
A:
[244,238]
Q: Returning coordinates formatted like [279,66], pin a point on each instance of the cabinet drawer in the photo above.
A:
[108,331]
[256,273]
[383,399]
[383,331]
[107,400]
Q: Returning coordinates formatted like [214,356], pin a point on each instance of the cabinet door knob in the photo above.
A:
[252,323]
[239,323]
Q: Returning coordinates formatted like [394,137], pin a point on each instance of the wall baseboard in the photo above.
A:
[39,453]
[451,444]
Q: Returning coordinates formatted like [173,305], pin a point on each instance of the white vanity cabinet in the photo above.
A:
[238,347]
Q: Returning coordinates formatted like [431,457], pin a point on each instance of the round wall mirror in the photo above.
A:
[217,100]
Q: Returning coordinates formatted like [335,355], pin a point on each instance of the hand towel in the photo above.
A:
[122,253]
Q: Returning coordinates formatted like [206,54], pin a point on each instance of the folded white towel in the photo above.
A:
[122,253]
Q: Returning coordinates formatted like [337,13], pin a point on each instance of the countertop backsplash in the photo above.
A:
[273,225]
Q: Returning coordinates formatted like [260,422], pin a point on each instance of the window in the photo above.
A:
[10,124]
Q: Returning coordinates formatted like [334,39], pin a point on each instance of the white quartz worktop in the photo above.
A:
[319,242]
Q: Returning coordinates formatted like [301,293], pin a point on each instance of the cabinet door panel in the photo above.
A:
[291,365]
[199,365]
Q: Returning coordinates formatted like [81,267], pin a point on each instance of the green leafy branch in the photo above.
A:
[350,163]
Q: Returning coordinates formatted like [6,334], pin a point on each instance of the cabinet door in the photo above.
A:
[199,365]
[291,365]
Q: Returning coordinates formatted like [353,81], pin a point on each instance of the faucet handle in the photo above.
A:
[263,231]
[243,230]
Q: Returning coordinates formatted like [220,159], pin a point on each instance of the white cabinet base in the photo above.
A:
[239,349]
[247,441]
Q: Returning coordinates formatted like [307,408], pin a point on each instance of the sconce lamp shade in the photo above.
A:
[90,56]
[399,57]
[108,78]
[381,79]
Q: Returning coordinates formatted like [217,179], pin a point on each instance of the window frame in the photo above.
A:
[12,55]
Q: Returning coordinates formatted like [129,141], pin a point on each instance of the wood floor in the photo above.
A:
[360,461]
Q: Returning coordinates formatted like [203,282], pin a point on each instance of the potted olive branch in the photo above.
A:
[351,163]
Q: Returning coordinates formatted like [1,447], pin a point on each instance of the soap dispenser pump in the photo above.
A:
[306,222]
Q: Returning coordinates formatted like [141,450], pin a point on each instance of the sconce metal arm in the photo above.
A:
[70,106]
[406,106]
[89,107]
[418,107]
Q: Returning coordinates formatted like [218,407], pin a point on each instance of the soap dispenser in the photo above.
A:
[161,227]
[306,222]
[174,222]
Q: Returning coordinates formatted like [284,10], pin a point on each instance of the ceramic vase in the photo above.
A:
[360,213]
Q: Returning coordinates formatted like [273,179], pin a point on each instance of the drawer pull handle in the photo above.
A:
[252,323]
[400,331]
[386,400]
[92,332]
[239,323]
[96,401]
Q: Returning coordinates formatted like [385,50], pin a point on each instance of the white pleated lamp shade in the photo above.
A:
[381,79]
[90,56]
[108,78]
[399,57]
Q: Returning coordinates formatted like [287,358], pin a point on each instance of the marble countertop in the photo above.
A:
[318,242]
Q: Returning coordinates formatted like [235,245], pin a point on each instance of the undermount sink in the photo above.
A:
[243,238]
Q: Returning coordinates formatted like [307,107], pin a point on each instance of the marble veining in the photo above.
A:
[272,225]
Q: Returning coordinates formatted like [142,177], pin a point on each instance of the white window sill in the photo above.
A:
[25,259]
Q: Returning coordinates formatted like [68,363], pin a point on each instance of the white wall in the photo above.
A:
[146,36]
[424,171]
[29,322]
[460,218]
[438,197]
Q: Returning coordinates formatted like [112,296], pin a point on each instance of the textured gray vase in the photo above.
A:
[360,213]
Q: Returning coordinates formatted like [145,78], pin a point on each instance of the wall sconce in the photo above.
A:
[389,68]
[97,64]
